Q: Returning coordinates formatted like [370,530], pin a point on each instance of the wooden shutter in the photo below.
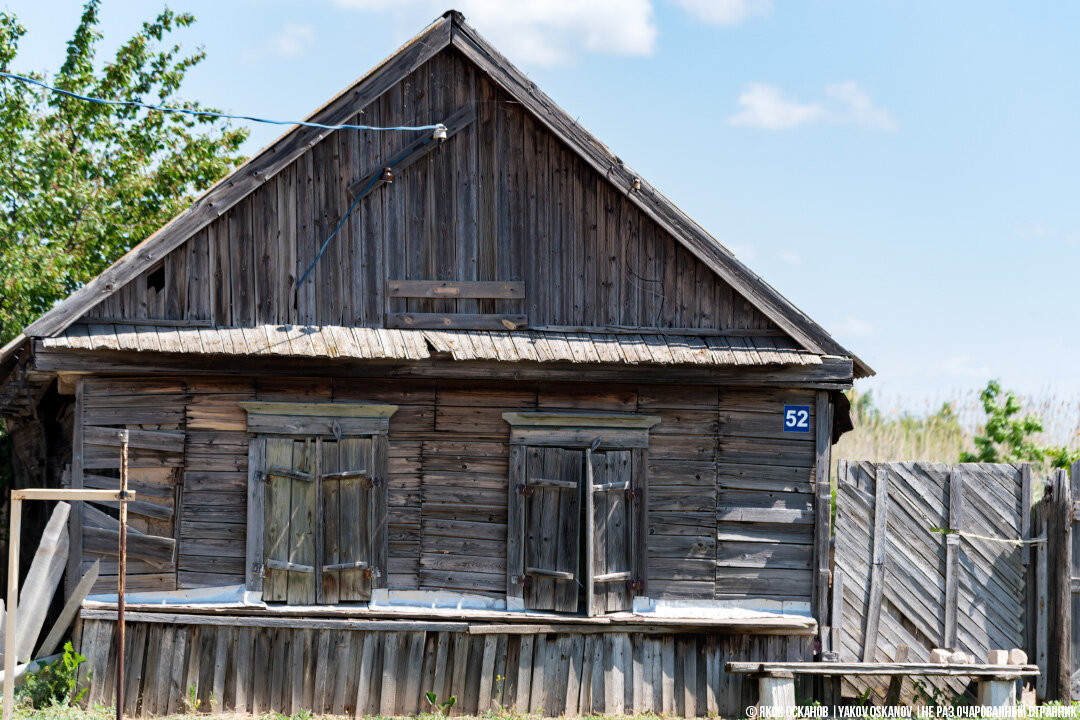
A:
[615,510]
[347,481]
[290,504]
[552,523]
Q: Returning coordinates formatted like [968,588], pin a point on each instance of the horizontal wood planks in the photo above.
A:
[503,221]
[153,413]
[253,669]
[730,511]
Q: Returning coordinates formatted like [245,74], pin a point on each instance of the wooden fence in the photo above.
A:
[1055,600]
[927,556]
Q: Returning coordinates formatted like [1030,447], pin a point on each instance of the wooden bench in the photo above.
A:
[776,680]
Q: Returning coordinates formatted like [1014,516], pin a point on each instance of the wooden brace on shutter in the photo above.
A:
[317,501]
[574,472]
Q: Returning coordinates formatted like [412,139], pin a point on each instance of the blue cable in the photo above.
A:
[352,206]
[205,113]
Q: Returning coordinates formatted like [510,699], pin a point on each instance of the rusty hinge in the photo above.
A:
[634,586]
[523,580]
[525,490]
[632,493]
[371,573]
[370,483]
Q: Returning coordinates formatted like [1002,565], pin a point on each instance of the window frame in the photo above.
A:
[334,421]
[587,432]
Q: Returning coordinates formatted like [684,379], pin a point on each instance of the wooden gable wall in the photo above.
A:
[504,199]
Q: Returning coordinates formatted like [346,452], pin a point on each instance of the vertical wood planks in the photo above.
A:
[822,497]
[504,199]
[879,539]
[952,556]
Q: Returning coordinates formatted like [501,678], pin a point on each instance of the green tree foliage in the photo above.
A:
[82,183]
[1008,436]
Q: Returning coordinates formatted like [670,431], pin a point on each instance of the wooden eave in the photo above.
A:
[450,29]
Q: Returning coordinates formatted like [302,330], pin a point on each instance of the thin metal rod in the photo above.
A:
[15,510]
[122,579]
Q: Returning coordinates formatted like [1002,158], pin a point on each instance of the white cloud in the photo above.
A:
[856,107]
[725,12]
[855,328]
[293,41]
[790,257]
[766,106]
[546,33]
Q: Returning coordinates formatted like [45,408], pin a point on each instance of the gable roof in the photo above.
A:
[448,30]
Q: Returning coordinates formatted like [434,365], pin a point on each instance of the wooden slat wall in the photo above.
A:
[321,667]
[765,511]
[912,600]
[730,511]
[501,200]
[152,407]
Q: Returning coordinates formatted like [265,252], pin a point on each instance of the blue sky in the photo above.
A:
[907,173]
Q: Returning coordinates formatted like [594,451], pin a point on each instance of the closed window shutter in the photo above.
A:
[347,482]
[290,503]
[617,505]
[552,514]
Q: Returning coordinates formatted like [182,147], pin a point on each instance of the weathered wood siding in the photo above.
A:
[344,668]
[730,511]
[501,200]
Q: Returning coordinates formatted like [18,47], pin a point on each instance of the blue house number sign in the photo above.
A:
[797,418]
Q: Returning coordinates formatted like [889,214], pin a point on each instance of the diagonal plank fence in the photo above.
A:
[928,556]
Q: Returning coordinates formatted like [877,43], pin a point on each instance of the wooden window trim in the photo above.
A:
[336,420]
[592,432]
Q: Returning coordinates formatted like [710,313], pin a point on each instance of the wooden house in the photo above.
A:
[526,436]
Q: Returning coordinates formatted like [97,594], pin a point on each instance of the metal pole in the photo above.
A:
[15,510]
[122,578]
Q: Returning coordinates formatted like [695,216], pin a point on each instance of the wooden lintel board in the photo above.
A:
[362,410]
[858,668]
[460,289]
[579,420]
[68,495]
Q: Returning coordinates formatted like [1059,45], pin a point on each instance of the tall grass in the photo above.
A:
[938,430]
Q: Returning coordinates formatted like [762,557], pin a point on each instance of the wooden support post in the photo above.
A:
[121,587]
[776,695]
[952,556]
[1041,608]
[15,510]
[896,682]
[17,497]
[1027,559]
[836,616]
[1059,626]
[590,535]
[822,507]
[877,568]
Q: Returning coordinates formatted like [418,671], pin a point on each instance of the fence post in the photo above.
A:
[877,567]
[822,510]
[1059,596]
[952,556]
[1041,592]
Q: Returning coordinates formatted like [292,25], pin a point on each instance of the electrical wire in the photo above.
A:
[352,206]
[205,113]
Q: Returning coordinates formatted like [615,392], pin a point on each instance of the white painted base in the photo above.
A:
[997,693]
[776,696]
